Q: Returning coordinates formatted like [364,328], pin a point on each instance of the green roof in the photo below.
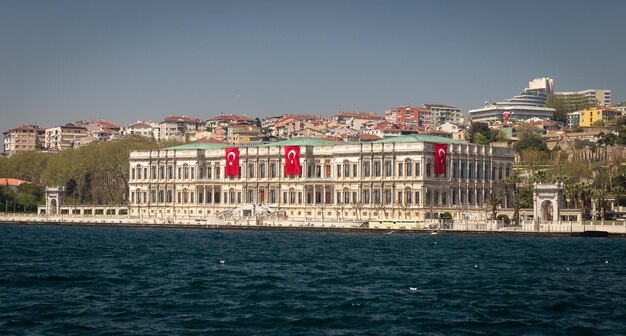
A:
[201,145]
[421,138]
[302,142]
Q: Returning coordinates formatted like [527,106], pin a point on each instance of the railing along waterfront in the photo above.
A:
[616,227]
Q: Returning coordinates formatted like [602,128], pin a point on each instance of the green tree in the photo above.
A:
[564,104]
[480,132]
[598,123]
[494,200]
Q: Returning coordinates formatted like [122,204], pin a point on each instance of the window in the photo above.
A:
[262,169]
[462,169]
[417,169]
[366,169]
[251,170]
[377,196]
[338,170]
[388,169]
[378,168]
[428,169]
[354,170]
[273,169]
[400,169]
[346,170]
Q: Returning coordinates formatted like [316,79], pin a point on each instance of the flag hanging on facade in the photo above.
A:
[440,158]
[232,162]
[292,160]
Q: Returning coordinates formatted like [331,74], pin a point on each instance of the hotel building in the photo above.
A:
[384,179]
[530,104]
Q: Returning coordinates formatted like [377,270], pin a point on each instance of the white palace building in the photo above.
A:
[385,179]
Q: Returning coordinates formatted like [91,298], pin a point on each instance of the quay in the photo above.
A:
[485,227]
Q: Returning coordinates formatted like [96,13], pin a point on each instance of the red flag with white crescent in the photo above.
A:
[440,158]
[232,162]
[292,160]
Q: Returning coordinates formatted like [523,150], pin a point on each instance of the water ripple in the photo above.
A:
[112,281]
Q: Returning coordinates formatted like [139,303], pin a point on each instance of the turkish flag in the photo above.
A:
[440,158]
[232,162]
[292,160]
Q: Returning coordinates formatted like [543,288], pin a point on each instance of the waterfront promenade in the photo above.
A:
[616,228]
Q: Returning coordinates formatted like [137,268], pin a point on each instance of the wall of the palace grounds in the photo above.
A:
[614,229]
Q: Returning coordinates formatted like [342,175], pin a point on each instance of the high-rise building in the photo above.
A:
[529,104]
[603,97]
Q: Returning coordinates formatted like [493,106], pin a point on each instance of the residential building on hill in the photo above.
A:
[588,117]
[175,127]
[409,115]
[64,137]
[441,114]
[140,128]
[395,178]
[354,120]
[23,138]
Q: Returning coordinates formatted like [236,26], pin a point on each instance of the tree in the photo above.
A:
[494,200]
[479,132]
[529,138]
[564,104]
[598,123]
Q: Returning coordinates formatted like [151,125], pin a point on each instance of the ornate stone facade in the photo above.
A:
[386,179]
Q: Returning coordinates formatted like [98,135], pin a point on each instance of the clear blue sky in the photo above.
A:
[124,61]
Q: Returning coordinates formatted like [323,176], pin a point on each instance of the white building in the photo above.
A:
[384,179]
[64,137]
[140,128]
[529,104]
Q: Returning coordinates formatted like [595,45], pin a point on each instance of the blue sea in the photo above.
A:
[57,280]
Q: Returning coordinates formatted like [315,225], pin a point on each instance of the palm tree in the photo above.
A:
[600,196]
[510,181]
[494,199]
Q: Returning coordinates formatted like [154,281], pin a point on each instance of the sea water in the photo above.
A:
[126,281]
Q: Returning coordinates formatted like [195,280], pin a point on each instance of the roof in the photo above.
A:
[231,117]
[11,182]
[422,138]
[428,106]
[139,124]
[204,143]
[177,118]
[357,115]
[301,142]
[25,128]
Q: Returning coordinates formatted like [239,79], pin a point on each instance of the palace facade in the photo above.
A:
[385,179]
